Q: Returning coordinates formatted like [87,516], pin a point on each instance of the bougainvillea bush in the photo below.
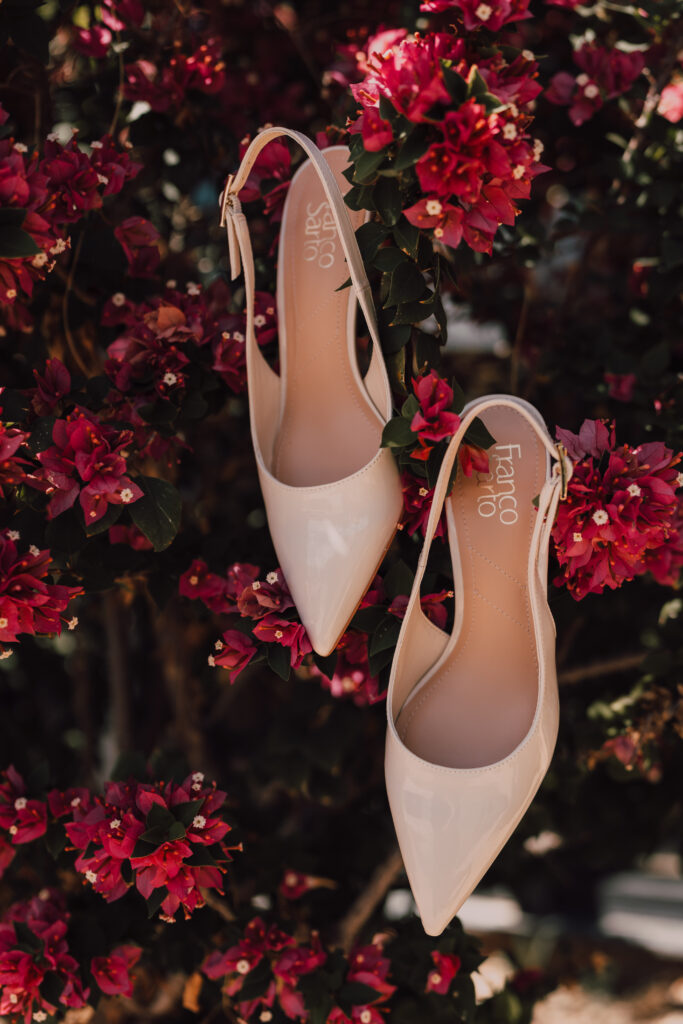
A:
[520,162]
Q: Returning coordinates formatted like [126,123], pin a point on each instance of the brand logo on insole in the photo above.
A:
[498,486]
[321,235]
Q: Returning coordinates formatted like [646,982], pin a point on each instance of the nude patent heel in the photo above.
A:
[472,717]
[332,495]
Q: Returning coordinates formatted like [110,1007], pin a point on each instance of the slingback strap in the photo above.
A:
[553,490]
[235,223]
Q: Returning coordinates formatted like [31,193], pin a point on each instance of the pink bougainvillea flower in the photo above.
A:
[152,830]
[7,855]
[73,179]
[352,677]
[446,966]
[434,420]
[88,461]
[476,13]
[114,167]
[94,41]
[620,386]
[27,603]
[621,510]
[273,164]
[417,501]
[670,103]
[605,74]
[273,628]
[12,471]
[139,240]
[121,14]
[218,593]
[23,818]
[234,651]
[24,184]
[28,974]
[51,386]
[377,133]
[473,459]
[259,597]
[432,606]
[113,972]
[444,219]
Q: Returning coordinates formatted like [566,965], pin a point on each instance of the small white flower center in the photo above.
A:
[13,830]
[279,634]
[212,663]
[256,585]
[91,876]
[259,320]
[127,495]
[219,645]
[423,492]
[4,623]
[591,91]
[243,967]
[72,623]
[199,821]
[433,207]
[118,298]
[600,517]
[438,232]
[435,978]
[518,171]
[20,803]
[13,997]
[238,336]
[483,12]
[634,490]
[33,550]
[366,1015]
[271,577]
[115,823]
[510,131]
[194,580]
[15,535]
[170,378]
[291,879]
[192,288]
[577,538]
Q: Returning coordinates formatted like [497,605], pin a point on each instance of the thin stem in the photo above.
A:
[596,669]
[370,898]
[119,92]
[70,340]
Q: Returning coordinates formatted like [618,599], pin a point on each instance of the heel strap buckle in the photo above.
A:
[228,201]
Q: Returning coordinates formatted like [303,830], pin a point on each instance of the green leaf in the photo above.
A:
[385,636]
[327,665]
[108,519]
[399,579]
[410,407]
[368,619]
[176,831]
[407,284]
[407,237]
[155,900]
[397,434]
[413,148]
[388,258]
[478,434]
[455,83]
[154,837]
[159,816]
[201,857]
[366,167]
[393,338]
[16,243]
[186,812]
[41,435]
[278,660]
[256,982]
[359,197]
[354,993]
[386,196]
[157,514]
[55,840]
[387,110]
[414,312]
[369,237]
[26,938]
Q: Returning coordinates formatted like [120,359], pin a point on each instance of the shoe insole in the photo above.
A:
[328,428]
[480,703]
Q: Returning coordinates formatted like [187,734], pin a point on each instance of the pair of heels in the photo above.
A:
[472,716]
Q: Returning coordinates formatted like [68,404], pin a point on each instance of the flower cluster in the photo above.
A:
[35,961]
[87,461]
[281,962]
[476,13]
[287,961]
[23,818]
[12,470]
[477,158]
[605,74]
[446,966]
[168,838]
[622,515]
[76,178]
[28,604]
[25,185]
[434,420]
